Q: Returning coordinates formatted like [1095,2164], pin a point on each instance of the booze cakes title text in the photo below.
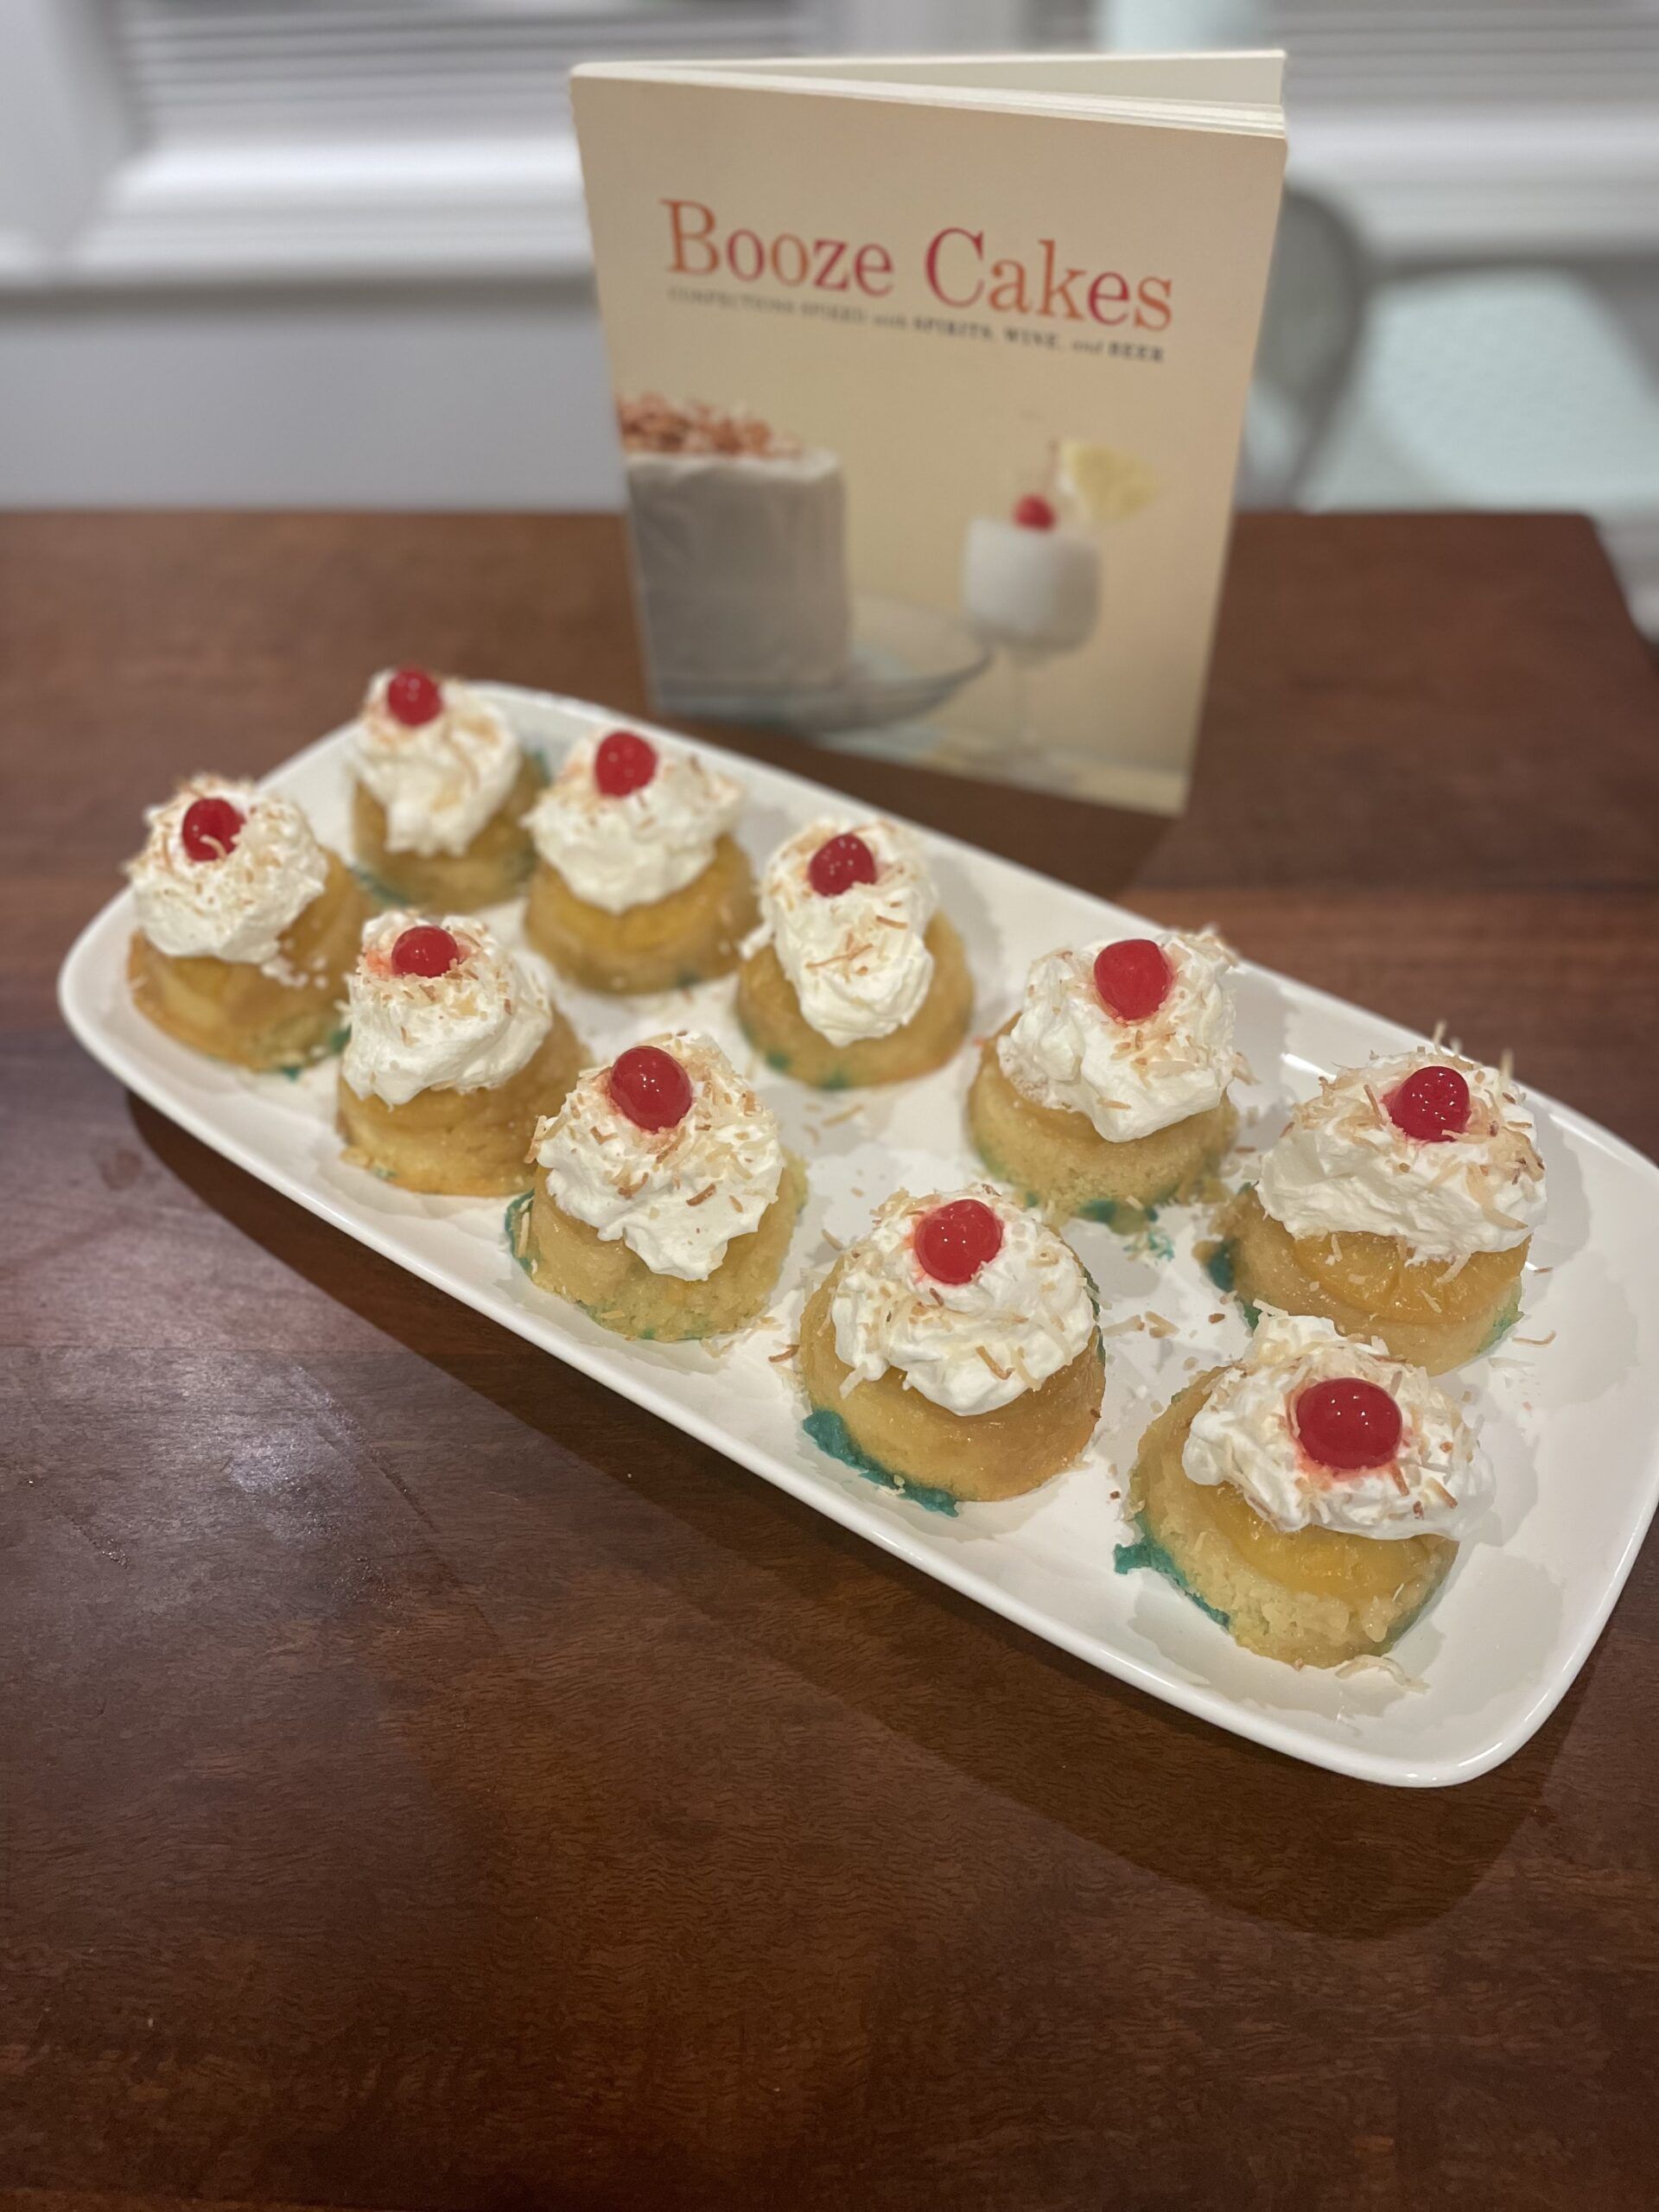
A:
[961,265]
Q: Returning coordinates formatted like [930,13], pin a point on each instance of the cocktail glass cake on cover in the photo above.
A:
[1032,587]
[1031,579]
[639,885]
[954,1349]
[854,977]
[1399,1203]
[665,1200]
[740,542]
[1106,1093]
[455,1054]
[442,791]
[1030,582]
[246,926]
[1311,1496]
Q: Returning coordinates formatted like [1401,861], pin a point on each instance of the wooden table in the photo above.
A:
[431,1782]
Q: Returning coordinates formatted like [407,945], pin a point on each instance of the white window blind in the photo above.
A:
[1469,54]
[1479,55]
[329,69]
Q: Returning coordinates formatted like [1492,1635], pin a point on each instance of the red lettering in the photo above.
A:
[758,257]
[788,239]
[684,237]
[1008,287]
[1059,288]
[977,239]
[1098,291]
[869,261]
[830,252]
[1153,309]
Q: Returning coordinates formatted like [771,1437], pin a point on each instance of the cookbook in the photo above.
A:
[930,379]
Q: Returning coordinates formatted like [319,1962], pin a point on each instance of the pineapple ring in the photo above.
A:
[1269,1267]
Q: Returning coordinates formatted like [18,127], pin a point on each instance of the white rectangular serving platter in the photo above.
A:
[1569,1407]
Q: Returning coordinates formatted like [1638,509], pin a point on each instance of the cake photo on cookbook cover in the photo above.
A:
[739,547]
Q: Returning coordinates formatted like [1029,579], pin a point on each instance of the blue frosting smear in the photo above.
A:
[1501,1327]
[1219,1269]
[830,1434]
[1148,1552]
[511,1219]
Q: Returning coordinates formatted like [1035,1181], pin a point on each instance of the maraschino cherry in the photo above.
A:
[1432,1104]
[955,1241]
[413,698]
[424,949]
[650,1087]
[839,863]
[210,829]
[1347,1424]
[1034,512]
[624,762]
[1133,977]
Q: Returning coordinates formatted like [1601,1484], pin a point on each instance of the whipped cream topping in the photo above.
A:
[442,781]
[1342,1164]
[466,1029]
[1437,1483]
[236,908]
[632,850]
[676,1197]
[969,1347]
[858,962]
[1068,1051]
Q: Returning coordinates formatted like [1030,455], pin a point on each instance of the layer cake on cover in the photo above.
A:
[739,536]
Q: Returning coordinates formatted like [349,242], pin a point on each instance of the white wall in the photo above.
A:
[362,396]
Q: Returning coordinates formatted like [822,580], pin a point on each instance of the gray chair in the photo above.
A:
[1312,324]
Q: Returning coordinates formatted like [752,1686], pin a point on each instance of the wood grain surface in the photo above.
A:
[431,1782]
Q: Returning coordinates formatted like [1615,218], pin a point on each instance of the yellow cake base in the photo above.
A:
[1370,1286]
[1058,1160]
[974,1457]
[1314,1599]
[469,1144]
[686,938]
[774,1023]
[613,1283]
[235,1011]
[492,868]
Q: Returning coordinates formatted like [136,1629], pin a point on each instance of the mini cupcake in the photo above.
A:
[954,1349]
[665,1200]
[639,885]
[442,789]
[854,977]
[1399,1203]
[455,1055]
[1106,1093]
[1311,1498]
[246,926]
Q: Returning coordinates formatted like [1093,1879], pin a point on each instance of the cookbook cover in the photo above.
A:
[929,381]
